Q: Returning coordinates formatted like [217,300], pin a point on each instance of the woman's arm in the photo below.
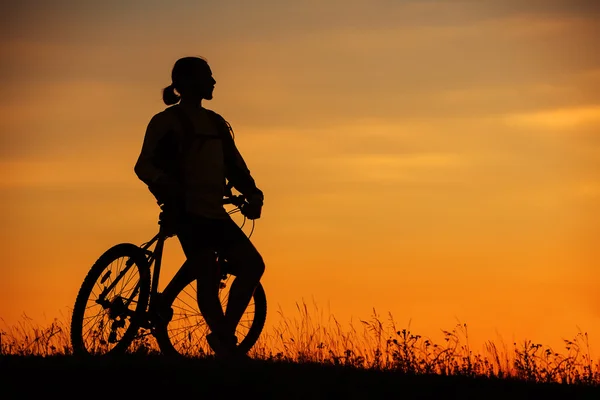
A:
[145,167]
[239,175]
[236,170]
[156,162]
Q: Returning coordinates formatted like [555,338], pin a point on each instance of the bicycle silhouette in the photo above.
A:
[120,295]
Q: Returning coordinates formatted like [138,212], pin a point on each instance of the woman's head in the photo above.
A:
[191,78]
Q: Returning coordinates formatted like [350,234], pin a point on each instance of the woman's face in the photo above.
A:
[200,84]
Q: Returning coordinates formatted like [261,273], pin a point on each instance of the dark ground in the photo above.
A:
[134,377]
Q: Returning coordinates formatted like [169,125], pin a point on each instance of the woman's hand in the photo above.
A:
[252,209]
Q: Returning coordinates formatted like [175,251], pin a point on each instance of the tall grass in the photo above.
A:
[381,345]
[374,344]
[29,338]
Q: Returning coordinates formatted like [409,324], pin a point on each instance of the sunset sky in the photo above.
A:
[438,160]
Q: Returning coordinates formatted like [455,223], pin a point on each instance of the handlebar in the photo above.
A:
[235,200]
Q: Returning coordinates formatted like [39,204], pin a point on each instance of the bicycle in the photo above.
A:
[124,299]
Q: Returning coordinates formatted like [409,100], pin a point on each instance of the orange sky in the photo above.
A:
[439,160]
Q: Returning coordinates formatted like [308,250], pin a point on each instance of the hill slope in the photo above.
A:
[136,376]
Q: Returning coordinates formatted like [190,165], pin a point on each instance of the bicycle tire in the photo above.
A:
[113,311]
[194,343]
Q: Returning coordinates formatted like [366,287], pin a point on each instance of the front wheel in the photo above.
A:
[111,302]
[185,333]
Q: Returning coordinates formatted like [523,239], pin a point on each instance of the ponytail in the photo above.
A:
[169,95]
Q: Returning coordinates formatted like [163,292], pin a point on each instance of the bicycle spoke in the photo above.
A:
[189,333]
[242,325]
[189,306]
[131,276]
[185,333]
[183,318]
[112,299]
[188,338]
[88,330]
[92,318]
[193,296]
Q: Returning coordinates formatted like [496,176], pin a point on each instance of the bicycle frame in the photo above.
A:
[152,257]
[155,256]
[135,298]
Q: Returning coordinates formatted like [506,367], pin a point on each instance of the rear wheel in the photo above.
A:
[185,333]
[111,302]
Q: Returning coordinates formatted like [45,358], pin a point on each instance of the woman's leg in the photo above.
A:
[249,267]
[196,236]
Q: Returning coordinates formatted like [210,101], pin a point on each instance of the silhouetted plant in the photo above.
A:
[381,346]
[26,339]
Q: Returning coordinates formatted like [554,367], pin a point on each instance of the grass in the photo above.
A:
[375,345]
[306,356]
[384,346]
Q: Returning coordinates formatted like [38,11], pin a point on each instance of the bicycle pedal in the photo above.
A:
[165,315]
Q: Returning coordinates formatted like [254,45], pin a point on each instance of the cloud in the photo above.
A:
[63,173]
[393,169]
[57,120]
[583,8]
[589,189]
[91,23]
[275,64]
[557,118]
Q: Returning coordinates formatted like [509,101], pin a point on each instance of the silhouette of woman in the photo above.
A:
[187,155]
